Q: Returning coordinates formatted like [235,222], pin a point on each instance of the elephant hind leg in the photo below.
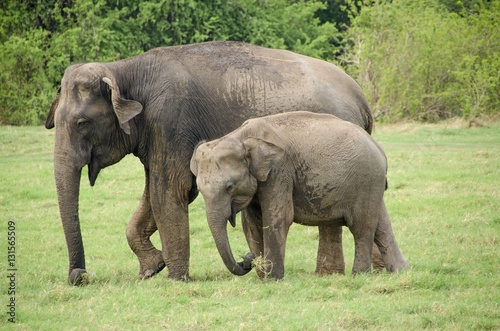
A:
[363,245]
[139,230]
[330,253]
[363,226]
[386,242]
[377,260]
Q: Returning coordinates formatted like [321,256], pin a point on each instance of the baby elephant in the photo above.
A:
[302,167]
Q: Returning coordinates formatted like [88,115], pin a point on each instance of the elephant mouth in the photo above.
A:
[238,203]
[93,168]
[93,173]
[232,217]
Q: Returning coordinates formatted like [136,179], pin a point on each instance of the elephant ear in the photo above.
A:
[263,156]
[193,165]
[49,122]
[125,110]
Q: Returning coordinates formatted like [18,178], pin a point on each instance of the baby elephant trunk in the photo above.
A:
[219,232]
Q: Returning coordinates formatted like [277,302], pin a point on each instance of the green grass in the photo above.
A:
[444,202]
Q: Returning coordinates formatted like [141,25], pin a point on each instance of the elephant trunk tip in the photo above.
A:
[246,265]
[78,277]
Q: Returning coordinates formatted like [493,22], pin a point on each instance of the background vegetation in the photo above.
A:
[427,60]
[419,60]
[444,202]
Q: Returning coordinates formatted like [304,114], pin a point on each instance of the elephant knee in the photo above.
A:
[130,232]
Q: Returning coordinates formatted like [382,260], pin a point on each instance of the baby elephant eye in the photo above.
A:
[229,187]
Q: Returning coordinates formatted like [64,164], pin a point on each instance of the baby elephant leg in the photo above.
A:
[363,244]
[386,242]
[377,260]
[362,225]
[330,254]
[251,221]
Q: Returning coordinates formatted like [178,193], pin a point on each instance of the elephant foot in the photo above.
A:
[78,277]
[263,267]
[153,265]
[377,260]
[184,278]
[324,268]
[179,273]
[328,272]
[378,268]
[151,272]
[378,264]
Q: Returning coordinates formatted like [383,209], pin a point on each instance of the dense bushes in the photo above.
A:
[41,38]
[414,59]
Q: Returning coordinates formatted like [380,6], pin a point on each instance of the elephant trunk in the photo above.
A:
[67,177]
[219,232]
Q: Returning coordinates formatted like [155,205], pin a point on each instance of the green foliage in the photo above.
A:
[40,39]
[279,24]
[444,203]
[419,60]
[415,60]
[24,92]
[335,12]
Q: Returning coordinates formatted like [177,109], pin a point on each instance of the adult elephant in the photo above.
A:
[158,106]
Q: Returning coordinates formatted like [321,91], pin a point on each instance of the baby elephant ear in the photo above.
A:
[124,109]
[193,165]
[263,156]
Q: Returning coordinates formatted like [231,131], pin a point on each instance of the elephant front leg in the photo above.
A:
[277,217]
[251,221]
[169,203]
[139,230]
[330,253]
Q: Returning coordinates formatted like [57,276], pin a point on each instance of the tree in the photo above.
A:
[40,39]
[415,60]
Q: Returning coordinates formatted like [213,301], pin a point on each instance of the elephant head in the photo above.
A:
[228,171]
[92,122]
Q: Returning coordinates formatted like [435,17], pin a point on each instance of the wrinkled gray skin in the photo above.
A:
[158,106]
[311,169]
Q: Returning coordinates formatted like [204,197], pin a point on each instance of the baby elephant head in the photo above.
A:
[227,171]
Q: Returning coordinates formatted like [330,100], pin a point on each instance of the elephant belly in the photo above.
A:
[317,213]
[320,194]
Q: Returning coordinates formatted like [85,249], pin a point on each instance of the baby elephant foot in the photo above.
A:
[152,265]
[377,260]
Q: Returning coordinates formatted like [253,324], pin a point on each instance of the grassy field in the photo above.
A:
[444,202]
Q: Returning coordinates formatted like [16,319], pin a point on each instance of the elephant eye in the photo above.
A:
[82,123]
[229,187]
